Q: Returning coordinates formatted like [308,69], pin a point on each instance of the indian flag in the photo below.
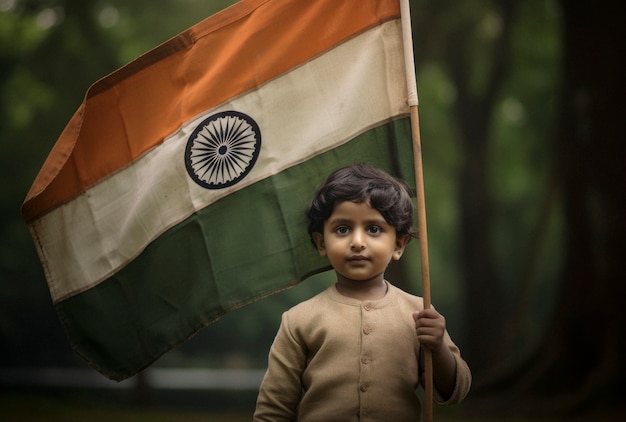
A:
[177,191]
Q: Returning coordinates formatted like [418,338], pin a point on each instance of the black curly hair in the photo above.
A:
[363,183]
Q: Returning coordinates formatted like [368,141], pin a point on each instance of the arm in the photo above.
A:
[430,327]
[281,388]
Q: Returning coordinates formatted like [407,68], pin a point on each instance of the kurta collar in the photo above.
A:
[384,301]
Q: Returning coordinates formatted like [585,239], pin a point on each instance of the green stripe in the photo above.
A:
[244,247]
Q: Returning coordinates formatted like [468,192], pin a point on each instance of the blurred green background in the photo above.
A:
[522,128]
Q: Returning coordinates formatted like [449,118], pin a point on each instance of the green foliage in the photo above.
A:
[521,154]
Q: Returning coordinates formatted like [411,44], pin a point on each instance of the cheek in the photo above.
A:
[385,250]
[335,250]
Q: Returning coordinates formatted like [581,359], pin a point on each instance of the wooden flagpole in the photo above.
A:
[420,195]
[423,241]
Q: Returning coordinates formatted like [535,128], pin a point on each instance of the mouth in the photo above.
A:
[358,258]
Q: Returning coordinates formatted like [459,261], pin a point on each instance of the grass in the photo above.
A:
[18,407]
[27,406]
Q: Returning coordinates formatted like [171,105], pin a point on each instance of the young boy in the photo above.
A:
[353,351]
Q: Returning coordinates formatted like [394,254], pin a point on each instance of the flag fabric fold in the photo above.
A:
[177,191]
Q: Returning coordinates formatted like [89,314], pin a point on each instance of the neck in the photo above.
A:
[362,290]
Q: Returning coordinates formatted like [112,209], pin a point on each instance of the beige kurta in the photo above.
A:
[340,359]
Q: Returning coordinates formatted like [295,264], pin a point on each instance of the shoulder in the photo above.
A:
[403,298]
[311,319]
[306,309]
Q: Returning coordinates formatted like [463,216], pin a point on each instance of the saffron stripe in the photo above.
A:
[174,83]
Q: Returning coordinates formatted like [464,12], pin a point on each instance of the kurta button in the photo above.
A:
[367,330]
[364,387]
[365,360]
[367,307]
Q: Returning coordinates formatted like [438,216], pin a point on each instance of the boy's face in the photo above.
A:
[358,242]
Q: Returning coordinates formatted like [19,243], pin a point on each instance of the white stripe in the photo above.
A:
[311,109]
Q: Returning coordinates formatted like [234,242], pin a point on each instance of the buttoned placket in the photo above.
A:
[366,356]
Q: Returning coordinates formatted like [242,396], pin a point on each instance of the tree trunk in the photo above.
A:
[581,361]
[474,111]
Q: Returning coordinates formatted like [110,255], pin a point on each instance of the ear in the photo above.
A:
[318,238]
[401,243]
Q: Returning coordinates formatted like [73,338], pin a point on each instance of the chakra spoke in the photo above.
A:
[223,149]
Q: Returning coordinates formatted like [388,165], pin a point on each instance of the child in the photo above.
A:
[353,351]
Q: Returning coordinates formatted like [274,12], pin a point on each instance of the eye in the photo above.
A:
[342,230]
[374,230]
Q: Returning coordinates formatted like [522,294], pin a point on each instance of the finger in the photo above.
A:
[428,313]
[415,315]
[439,324]
[429,331]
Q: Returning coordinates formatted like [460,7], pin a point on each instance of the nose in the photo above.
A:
[358,241]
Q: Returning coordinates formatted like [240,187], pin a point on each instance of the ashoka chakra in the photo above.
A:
[222,149]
